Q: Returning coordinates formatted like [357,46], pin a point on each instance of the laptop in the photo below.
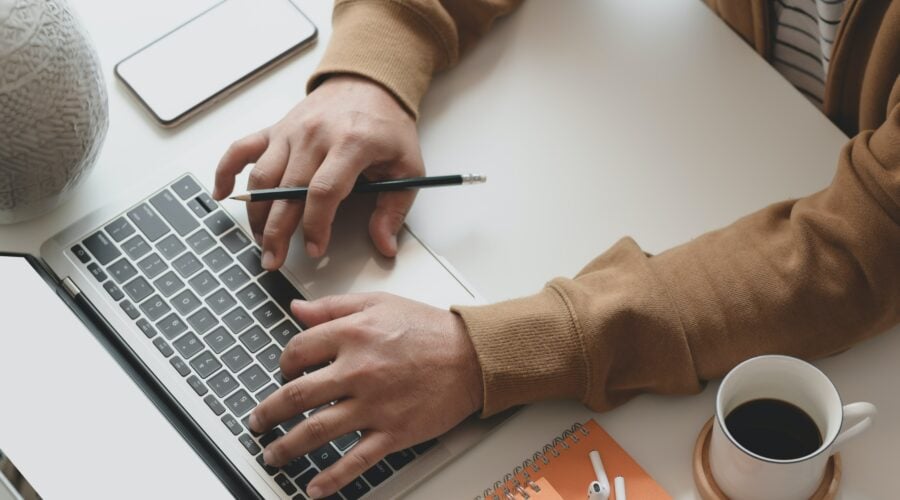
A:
[170,284]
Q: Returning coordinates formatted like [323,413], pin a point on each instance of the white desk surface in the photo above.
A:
[592,120]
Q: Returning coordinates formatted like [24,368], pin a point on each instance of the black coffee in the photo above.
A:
[774,429]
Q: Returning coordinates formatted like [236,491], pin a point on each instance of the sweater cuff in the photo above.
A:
[529,350]
[386,42]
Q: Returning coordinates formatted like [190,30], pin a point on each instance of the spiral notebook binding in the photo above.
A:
[519,480]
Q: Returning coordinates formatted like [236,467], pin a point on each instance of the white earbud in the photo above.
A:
[599,489]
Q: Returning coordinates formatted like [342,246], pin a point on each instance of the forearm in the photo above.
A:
[402,43]
[807,278]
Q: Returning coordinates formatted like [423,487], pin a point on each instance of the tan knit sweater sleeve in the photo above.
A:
[402,43]
[807,278]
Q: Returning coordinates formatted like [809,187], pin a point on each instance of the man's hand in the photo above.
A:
[348,126]
[402,373]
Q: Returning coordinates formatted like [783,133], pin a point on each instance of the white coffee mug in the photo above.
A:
[744,475]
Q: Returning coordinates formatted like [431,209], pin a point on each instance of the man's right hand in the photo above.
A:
[347,127]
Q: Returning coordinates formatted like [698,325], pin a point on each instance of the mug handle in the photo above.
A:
[863,414]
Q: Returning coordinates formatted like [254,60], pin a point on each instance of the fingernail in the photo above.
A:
[314,492]
[254,422]
[267,457]
[394,242]
[268,260]
[297,302]
[312,249]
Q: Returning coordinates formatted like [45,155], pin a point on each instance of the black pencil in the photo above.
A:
[299,193]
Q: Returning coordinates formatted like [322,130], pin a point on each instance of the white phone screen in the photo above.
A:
[213,52]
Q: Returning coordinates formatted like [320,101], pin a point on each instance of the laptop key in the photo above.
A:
[270,358]
[129,309]
[399,459]
[249,444]
[174,212]
[185,302]
[188,345]
[304,479]
[236,359]
[147,328]
[270,437]
[267,314]
[423,447]
[119,229]
[148,222]
[268,391]
[232,424]
[122,271]
[285,484]
[155,307]
[325,456]
[356,489]
[101,248]
[203,283]
[97,272]
[223,383]
[152,265]
[171,326]
[214,405]
[197,385]
[202,321]
[180,366]
[201,241]
[218,222]
[136,247]
[138,289]
[240,403]
[80,252]
[234,278]
[251,295]
[237,320]
[346,441]
[296,466]
[185,187]
[220,301]
[235,240]
[170,247]
[268,468]
[255,339]
[284,332]
[378,473]
[168,284]
[217,259]
[196,208]
[163,347]
[219,339]
[205,364]
[113,291]
[280,289]
[187,265]
[250,259]
[253,378]
[208,203]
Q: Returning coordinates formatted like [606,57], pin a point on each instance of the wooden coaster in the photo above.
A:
[709,490]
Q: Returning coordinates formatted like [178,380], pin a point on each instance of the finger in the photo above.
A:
[330,308]
[387,220]
[266,174]
[297,396]
[314,432]
[239,154]
[313,347]
[285,215]
[368,451]
[329,186]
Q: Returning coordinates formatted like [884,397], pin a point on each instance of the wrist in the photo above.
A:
[470,367]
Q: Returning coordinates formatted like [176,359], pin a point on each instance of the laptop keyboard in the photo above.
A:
[190,279]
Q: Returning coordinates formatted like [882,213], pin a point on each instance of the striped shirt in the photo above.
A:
[804,36]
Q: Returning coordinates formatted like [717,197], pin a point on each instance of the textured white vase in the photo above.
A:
[53,107]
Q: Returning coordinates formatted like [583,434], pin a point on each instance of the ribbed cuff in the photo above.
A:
[529,350]
[386,42]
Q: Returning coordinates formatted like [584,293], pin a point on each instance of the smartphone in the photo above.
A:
[207,58]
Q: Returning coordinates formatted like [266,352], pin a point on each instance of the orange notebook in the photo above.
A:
[562,470]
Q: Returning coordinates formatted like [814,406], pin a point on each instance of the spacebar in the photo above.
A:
[280,289]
